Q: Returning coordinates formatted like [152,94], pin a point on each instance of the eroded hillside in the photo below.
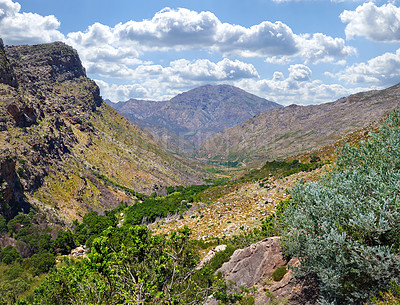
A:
[62,147]
[284,132]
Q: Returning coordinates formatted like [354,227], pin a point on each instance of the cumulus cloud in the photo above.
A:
[205,70]
[373,22]
[299,73]
[297,87]
[26,28]
[381,71]
[156,80]
[117,93]
[184,29]
[323,48]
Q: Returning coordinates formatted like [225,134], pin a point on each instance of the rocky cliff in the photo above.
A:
[62,148]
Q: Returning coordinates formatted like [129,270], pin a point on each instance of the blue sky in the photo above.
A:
[300,51]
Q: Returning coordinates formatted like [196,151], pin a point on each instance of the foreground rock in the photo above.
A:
[252,267]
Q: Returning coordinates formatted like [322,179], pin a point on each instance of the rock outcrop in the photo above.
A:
[7,75]
[249,266]
[252,267]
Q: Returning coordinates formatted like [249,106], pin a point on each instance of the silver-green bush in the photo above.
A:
[346,227]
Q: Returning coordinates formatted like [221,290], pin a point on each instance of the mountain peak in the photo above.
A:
[195,115]
[52,62]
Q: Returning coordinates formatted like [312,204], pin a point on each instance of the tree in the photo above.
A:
[128,265]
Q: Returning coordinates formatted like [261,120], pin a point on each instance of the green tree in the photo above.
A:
[126,266]
[3,224]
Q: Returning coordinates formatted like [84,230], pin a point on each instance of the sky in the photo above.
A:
[287,51]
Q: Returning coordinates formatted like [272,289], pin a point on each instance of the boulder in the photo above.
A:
[252,267]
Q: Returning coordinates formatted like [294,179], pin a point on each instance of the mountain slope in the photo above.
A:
[288,131]
[193,116]
[62,148]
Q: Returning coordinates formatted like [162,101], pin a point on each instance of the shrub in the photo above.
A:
[346,227]
[279,273]
[41,262]
[9,255]
[3,225]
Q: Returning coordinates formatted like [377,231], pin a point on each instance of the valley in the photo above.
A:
[149,190]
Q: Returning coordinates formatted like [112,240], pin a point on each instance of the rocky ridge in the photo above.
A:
[284,132]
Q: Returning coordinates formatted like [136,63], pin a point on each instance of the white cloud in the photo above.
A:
[375,23]
[205,70]
[121,92]
[299,73]
[162,82]
[171,28]
[322,48]
[26,28]
[184,29]
[264,39]
[297,88]
[381,71]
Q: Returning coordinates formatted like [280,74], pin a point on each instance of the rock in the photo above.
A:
[251,265]
[80,251]
[7,75]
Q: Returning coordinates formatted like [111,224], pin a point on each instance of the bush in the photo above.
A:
[41,262]
[3,225]
[346,227]
[279,273]
[9,255]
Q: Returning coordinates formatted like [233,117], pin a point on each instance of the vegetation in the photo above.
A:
[150,208]
[279,273]
[281,169]
[130,265]
[346,227]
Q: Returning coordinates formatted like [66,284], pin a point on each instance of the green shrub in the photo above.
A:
[346,227]
[41,262]
[9,255]
[3,224]
[279,273]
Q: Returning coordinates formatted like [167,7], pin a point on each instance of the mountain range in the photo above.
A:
[296,129]
[184,122]
[64,149]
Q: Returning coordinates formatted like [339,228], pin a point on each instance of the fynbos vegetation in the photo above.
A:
[346,227]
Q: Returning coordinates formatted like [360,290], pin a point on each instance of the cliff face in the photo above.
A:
[7,75]
[60,143]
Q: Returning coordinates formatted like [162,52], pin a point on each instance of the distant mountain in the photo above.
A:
[62,149]
[288,131]
[190,118]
